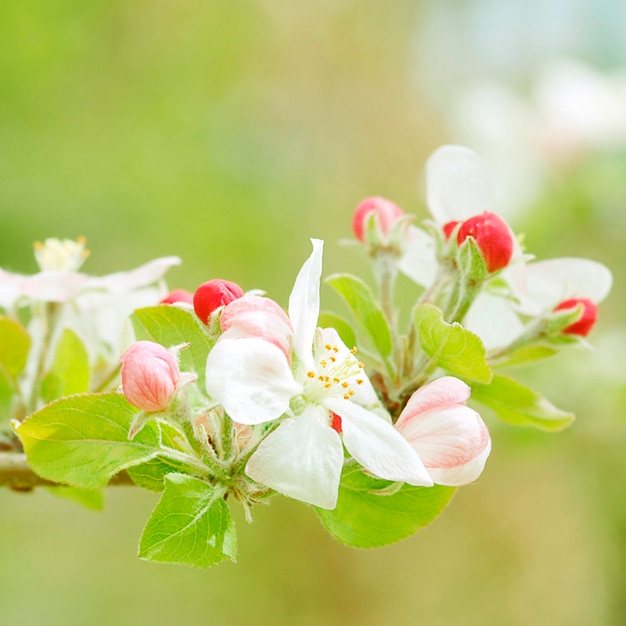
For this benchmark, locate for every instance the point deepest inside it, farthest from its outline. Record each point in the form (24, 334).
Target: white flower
(303, 457)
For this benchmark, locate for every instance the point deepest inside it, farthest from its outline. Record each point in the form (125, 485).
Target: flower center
(60, 255)
(336, 374)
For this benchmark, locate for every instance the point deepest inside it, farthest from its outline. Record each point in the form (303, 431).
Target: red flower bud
(150, 375)
(493, 237)
(388, 213)
(178, 295)
(448, 227)
(588, 319)
(212, 295)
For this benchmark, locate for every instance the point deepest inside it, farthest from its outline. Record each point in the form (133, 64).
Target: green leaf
(92, 499)
(519, 405)
(191, 525)
(360, 299)
(471, 262)
(171, 326)
(330, 320)
(450, 346)
(7, 392)
(70, 371)
(363, 519)
(526, 355)
(83, 440)
(14, 346)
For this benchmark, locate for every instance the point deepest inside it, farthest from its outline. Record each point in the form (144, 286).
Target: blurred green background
(229, 133)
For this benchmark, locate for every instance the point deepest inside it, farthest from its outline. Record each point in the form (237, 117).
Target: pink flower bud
(150, 375)
(590, 314)
(255, 316)
(178, 295)
(448, 227)
(388, 213)
(212, 295)
(450, 438)
(493, 237)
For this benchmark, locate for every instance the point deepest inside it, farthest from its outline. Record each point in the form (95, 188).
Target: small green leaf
(471, 261)
(526, 355)
(363, 519)
(92, 499)
(519, 405)
(330, 320)
(83, 440)
(171, 326)
(191, 525)
(14, 346)
(451, 346)
(70, 371)
(368, 313)
(7, 392)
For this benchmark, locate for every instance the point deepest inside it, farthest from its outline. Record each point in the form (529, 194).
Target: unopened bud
(213, 294)
(448, 228)
(150, 376)
(588, 319)
(493, 237)
(388, 213)
(178, 295)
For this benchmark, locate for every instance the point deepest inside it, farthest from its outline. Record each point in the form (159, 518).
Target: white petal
(552, 281)
(304, 303)
(377, 445)
(141, 276)
(442, 393)
(419, 261)
(493, 319)
(457, 184)
(301, 459)
(53, 286)
(448, 440)
(251, 379)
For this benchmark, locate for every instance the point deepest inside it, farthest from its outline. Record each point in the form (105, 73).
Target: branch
(16, 474)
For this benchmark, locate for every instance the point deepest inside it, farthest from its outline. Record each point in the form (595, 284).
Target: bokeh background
(229, 133)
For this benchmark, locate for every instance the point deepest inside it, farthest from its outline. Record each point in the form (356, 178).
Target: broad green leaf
(366, 310)
(330, 320)
(363, 519)
(14, 346)
(450, 346)
(171, 326)
(92, 499)
(191, 525)
(70, 371)
(519, 405)
(83, 440)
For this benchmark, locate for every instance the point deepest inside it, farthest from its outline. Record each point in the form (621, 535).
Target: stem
(16, 474)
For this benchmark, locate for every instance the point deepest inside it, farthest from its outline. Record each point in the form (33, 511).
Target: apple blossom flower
(450, 438)
(536, 291)
(150, 376)
(387, 213)
(256, 383)
(212, 295)
(458, 191)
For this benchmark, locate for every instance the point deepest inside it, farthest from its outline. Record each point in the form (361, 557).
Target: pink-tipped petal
(442, 393)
